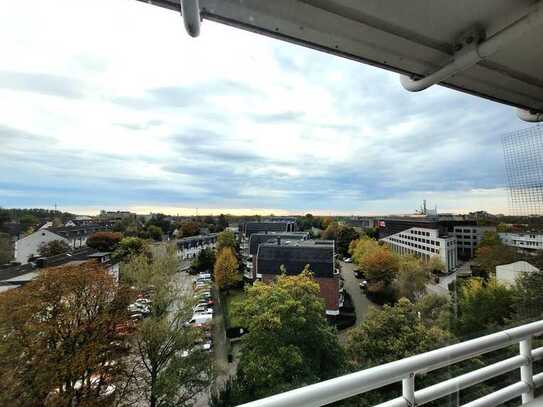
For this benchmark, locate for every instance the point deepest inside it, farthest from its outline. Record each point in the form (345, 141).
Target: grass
(233, 297)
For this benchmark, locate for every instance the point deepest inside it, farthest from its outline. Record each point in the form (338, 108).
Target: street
(351, 284)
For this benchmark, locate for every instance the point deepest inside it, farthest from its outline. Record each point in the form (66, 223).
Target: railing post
(526, 371)
(408, 389)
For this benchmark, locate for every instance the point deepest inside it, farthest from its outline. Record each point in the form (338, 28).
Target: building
(425, 243)
(116, 215)
(468, 238)
(444, 224)
(525, 241)
(74, 236)
(251, 249)
(248, 228)
(362, 222)
(19, 275)
(190, 247)
(508, 273)
(292, 257)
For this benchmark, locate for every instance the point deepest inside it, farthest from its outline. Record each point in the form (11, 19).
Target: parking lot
(351, 284)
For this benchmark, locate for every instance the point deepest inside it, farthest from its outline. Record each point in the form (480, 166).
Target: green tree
(435, 265)
(225, 270)
(289, 342)
(130, 246)
(204, 261)
(169, 370)
(27, 221)
(528, 296)
(412, 278)
(345, 236)
(222, 223)
(481, 307)
(104, 241)
(53, 248)
(226, 239)
(56, 334)
(491, 252)
(379, 265)
(155, 232)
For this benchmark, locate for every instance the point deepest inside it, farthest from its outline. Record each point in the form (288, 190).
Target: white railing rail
(405, 370)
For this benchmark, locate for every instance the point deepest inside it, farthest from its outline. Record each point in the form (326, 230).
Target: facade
(524, 241)
(292, 257)
(508, 273)
(424, 243)
(190, 247)
(28, 246)
(468, 238)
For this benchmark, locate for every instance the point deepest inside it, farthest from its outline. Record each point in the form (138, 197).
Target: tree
(132, 246)
(53, 248)
(528, 296)
(378, 263)
(155, 232)
(331, 231)
(289, 342)
(190, 229)
(345, 236)
(56, 338)
(6, 251)
(28, 220)
(412, 278)
(226, 239)
(204, 261)
(170, 371)
(222, 223)
(435, 265)
(104, 241)
(225, 270)
(482, 307)
(393, 333)
(489, 255)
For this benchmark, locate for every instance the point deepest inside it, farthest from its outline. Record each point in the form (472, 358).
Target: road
(351, 284)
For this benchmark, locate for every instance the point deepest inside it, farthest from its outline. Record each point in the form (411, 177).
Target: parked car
(364, 286)
(348, 260)
(201, 318)
(204, 309)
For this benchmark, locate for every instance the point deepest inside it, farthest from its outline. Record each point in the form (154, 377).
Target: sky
(109, 104)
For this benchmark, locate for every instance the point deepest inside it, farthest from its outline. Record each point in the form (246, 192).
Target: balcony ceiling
(414, 37)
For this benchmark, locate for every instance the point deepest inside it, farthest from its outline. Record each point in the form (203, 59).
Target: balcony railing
(405, 370)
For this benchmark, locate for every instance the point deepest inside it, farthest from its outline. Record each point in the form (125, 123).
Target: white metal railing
(405, 370)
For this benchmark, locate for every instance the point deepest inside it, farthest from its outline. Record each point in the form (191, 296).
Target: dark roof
(319, 254)
(255, 227)
(79, 230)
(257, 238)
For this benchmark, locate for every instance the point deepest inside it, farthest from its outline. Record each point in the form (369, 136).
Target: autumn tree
(341, 234)
(53, 248)
(104, 241)
(412, 278)
(190, 229)
(491, 252)
(225, 270)
(56, 338)
(130, 246)
(435, 265)
(378, 263)
(169, 370)
(289, 342)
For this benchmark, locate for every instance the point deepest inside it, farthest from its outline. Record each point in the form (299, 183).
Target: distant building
(74, 236)
(190, 247)
(468, 238)
(292, 257)
(508, 273)
(116, 215)
(362, 222)
(525, 241)
(248, 228)
(424, 243)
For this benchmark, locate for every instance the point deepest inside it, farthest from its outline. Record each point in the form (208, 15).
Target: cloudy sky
(108, 104)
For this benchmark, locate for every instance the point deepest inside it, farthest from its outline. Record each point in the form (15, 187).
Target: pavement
(351, 284)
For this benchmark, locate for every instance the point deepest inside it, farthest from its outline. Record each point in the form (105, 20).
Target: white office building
(525, 241)
(424, 243)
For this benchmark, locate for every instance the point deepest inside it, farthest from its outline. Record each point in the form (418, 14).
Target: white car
(199, 318)
(348, 260)
(203, 309)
